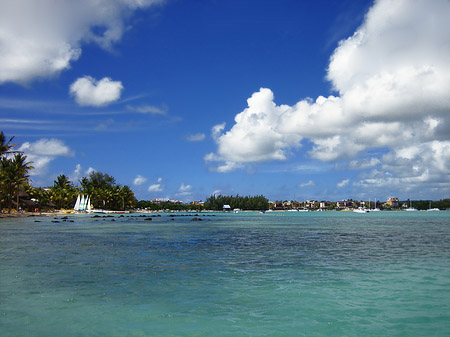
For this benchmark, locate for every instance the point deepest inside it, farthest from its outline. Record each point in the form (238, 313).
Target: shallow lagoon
(247, 274)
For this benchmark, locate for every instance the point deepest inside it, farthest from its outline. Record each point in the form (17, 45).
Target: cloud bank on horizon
(41, 38)
(392, 79)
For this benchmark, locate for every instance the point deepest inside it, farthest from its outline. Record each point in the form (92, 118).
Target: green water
(274, 274)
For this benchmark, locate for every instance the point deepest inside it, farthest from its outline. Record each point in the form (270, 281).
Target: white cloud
(158, 187)
(392, 78)
(343, 183)
(216, 192)
(90, 170)
(217, 130)
(197, 137)
(139, 180)
(364, 164)
(89, 91)
(46, 147)
(43, 152)
(184, 190)
(78, 173)
(39, 39)
(148, 109)
(310, 183)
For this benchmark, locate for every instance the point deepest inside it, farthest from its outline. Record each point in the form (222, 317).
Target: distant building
(344, 204)
(393, 202)
(324, 204)
(226, 207)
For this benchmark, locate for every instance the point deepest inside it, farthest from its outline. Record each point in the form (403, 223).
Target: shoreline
(30, 214)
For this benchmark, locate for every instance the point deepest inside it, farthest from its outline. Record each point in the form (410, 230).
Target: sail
(82, 203)
(88, 206)
(77, 204)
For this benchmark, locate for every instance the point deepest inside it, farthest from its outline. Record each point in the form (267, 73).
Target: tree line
(16, 190)
(245, 203)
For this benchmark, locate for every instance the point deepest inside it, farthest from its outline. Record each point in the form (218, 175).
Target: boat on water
(376, 209)
(360, 210)
(432, 209)
(410, 208)
(83, 204)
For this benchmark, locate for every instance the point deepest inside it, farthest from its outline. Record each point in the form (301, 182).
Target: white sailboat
(410, 208)
(83, 203)
(360, 210)
(376, 209)
(77, 204)
(88, 205)
(432, 209)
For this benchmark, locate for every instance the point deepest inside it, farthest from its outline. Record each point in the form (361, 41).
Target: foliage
(63, 193)
(167, 205)
(14, 169)
(425, 204)
(105, 193)
(245, 203)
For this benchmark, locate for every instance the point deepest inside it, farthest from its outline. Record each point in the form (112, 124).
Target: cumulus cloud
(343, 183)
(43, 152)
(392, 79)
(78, 173)
(39, 39)
(158, 187)
(184, 190)
(89, 91)
(139, 180)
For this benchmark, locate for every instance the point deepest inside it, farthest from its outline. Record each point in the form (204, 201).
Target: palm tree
(5, 147)
(21, 168)
(7, 180)
(63, 191)
(127, 197)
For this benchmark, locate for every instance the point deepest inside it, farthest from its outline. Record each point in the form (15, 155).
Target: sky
(304, 100)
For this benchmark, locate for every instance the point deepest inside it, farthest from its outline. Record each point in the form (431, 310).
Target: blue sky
(322, 100)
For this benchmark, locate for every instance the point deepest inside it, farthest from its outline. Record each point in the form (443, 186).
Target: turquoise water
(289, 274)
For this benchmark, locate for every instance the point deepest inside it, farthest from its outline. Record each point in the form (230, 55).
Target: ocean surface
(246, 274)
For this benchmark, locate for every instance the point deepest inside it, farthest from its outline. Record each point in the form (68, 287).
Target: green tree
(6, 146)
(14, 173)
(63, 192)
(7, 185)
(21, 168)
(105, 193)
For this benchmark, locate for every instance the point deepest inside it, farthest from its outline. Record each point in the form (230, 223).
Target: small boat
(360, 210)
(432, 209)
(410, 208)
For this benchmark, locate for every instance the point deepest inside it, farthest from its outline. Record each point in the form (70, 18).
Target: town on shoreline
(99, 192)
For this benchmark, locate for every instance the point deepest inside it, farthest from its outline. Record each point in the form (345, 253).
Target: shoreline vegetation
(19, 198)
